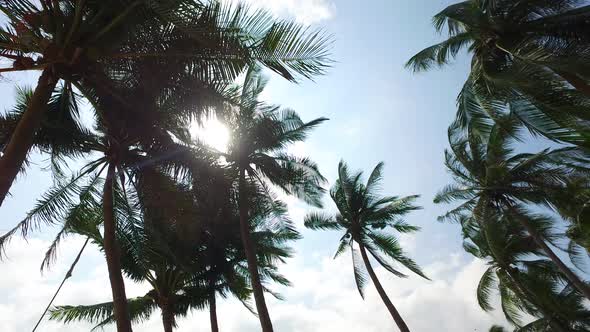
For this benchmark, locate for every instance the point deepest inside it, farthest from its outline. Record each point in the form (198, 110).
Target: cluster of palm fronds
(529, 80)
(166, 209)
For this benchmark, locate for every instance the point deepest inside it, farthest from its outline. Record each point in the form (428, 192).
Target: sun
(212, 132)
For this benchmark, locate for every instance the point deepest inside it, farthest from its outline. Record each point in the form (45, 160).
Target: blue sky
(378, 111)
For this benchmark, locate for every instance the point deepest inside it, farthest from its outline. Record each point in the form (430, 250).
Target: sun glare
(212, 132)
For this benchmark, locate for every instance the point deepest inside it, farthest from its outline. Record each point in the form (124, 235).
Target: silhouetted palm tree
(184, 273)
(527, 281)
(257, 153)
(90, 43)
(526, 58)
(364, 216)
(145, 257)
(490, 177)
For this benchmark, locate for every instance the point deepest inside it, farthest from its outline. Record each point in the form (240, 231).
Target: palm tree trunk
(167, 318)
(250, 251)
(569, 274)
(392, 310)
(213, 307)
(20, 142)
(113, 256)
(575, 81)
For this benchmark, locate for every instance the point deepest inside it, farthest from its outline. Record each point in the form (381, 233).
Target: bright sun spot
(212, 132)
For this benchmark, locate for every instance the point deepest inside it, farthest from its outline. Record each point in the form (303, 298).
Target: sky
(378, 111)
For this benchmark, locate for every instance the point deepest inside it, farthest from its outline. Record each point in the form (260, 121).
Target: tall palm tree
(212, 224)
(144, 258)
(364, 217)
(184, 273)
(257, 153)
(224, 258)
(90, 43)
(118, 118)
(527, 56)
(223, 255)
(490, 177)
(120, 152)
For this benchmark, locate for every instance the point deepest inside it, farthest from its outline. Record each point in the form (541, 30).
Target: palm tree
(304, 55)
(223, 256)
(260, 135)
(527, 56)
(144, 258)
(530, 285)
(184, 273)
(89, 43)
(490, 177)
(225, 261)
(364, 216)
(120, 151)
(55, 37)
(209, 221)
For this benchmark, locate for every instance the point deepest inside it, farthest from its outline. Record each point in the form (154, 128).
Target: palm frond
(360, 272)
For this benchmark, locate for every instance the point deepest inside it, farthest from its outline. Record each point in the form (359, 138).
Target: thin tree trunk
(67, 276)
(167, 318)
(250, 251)
(20, 142)
(213, 307)
(113, 256)
(576, 81)
(392, 310)
(570, 275)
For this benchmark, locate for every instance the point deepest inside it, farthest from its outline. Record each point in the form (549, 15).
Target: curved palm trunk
(213, 307)
(113, 256)
(569, 274)
(167, 318)
(21, 140)
(392, 310)
(250, 251)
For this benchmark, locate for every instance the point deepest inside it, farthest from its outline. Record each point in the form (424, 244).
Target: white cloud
(323, 296)
(304, 11)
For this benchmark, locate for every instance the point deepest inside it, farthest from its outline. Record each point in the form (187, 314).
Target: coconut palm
(186, 273)
(490, 176)
(123, 137)
(499, 30)
(119, 151)
(257, 155)
(144, 258)
(92, 42)
(527, 281)
(225, 259)
(527, 56)
(55, 37)
(366, 218)
(223, 255)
